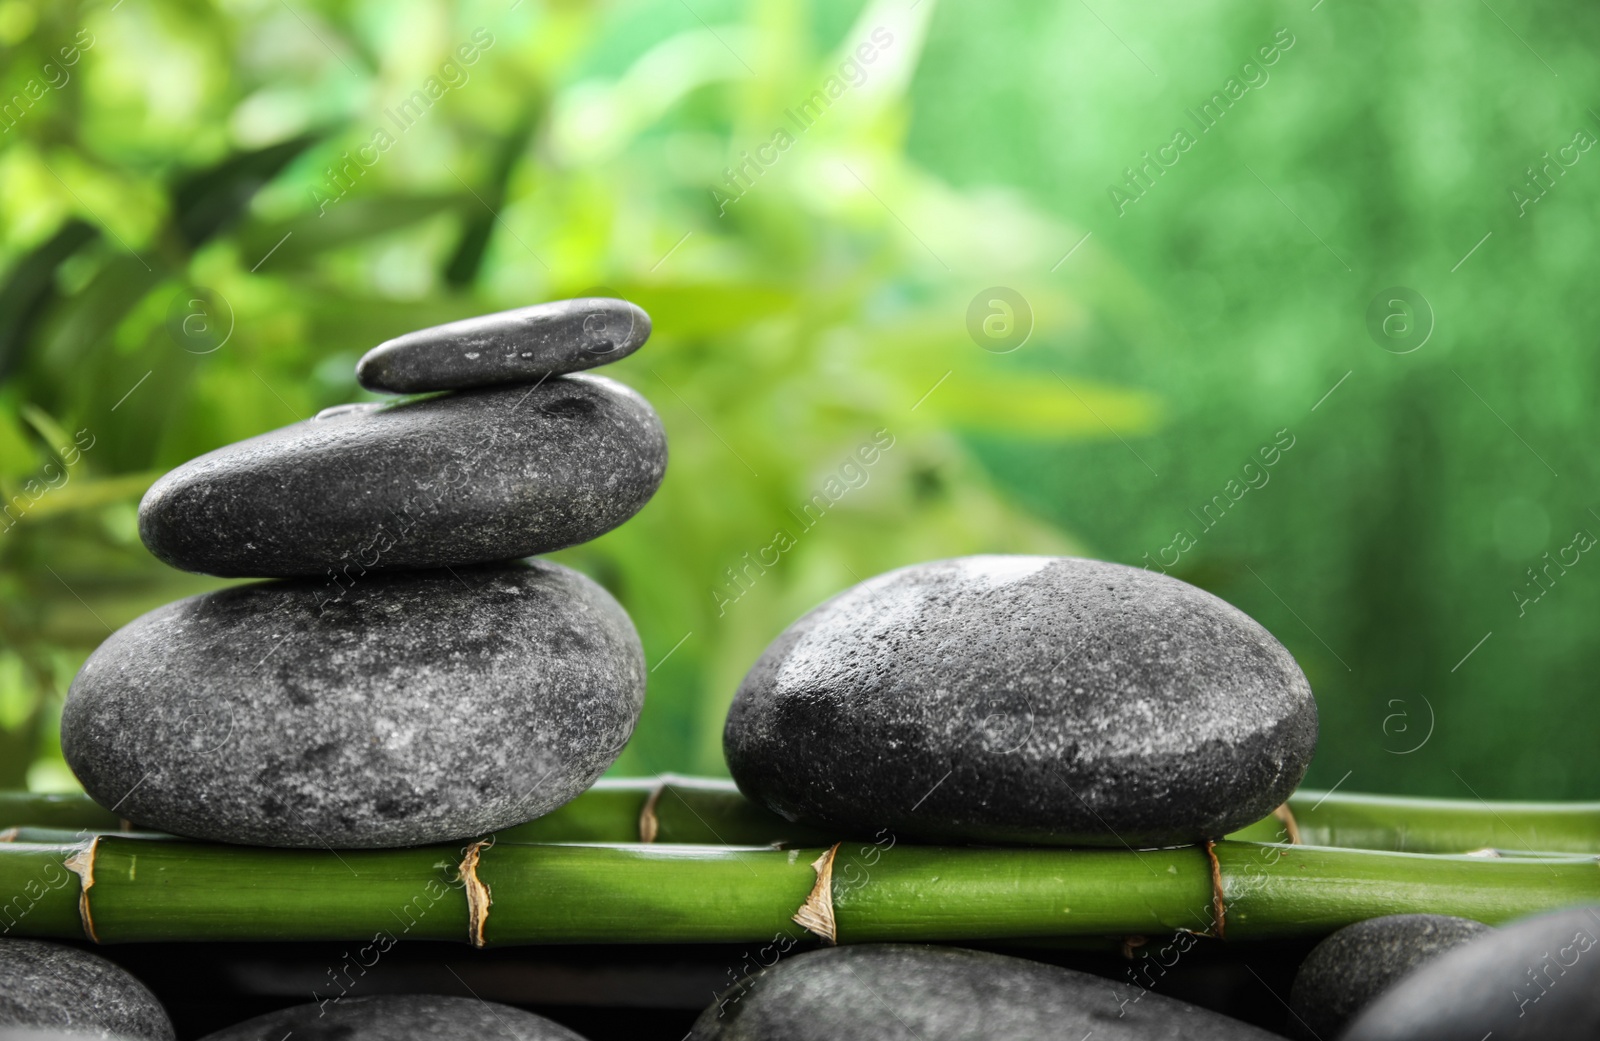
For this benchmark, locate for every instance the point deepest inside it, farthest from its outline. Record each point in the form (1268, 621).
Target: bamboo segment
(637, 893)
(1412, 825)
(704, 811)
(55, 811)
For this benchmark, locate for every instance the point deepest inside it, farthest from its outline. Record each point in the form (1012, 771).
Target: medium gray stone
(404, 1017)
(409, 708)
(456, 479)
(1345, 972)
(1023, 699)
(519, 346)
(948, 994)
(50, 987)
(1537, 979)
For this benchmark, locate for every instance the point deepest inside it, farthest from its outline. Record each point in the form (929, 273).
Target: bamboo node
(1286, 817)
(1219, 904)
(478, 895)
(81, 864)
(649, 824)
(816, 914)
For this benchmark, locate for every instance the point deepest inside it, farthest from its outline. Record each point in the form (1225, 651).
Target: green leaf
(30, 288)
(295, 242)
(208, 202)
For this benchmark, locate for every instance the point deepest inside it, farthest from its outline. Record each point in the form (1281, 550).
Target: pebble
(520, 346)
(1345, 972)
(406, 709)
(1537, 979)
(948, 994)
(1015, 699)
(50, 987)
(401, 1017)
(457, 479)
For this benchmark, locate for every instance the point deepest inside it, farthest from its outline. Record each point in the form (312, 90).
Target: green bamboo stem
(708, 811)
(55, 811)
(1417, 825)
(171, 890)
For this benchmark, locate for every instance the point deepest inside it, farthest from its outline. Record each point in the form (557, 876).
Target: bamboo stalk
(54, 811)
(139, 890)
(708, 811)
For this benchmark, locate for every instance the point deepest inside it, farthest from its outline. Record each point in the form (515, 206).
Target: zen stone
(520, 346)
(404, 709)
(457, 479)
(405, 1017)
(1537, 979)
(49, 987)
(1345, 972)
(1023, 699)
(947, 994)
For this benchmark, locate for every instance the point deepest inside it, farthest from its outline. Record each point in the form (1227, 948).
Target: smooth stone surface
(50, 987)
(518, 346)
(948, 994)
(404, 1017)
(1345, 972)
(1023, 699)
(1537, 979)
(457, 479)
(414, 708)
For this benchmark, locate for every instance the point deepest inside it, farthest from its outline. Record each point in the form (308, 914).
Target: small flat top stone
(519, 346)
(400, 1017)
(51, 987)
(1023, 699)
(1537, 979)
(463, 478)
(1345, 972)
(409, 708)
(916, 993)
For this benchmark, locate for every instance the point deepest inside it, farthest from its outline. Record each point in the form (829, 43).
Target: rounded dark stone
(400, 1017)
(1023, 699)
(1346, 971)
(519, 346)
(947, 994)
(47, 986)
(455, 479)
(1537, 979)
(409, 708)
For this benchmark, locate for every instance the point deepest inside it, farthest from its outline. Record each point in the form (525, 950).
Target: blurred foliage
(187, 266)
(219, 207)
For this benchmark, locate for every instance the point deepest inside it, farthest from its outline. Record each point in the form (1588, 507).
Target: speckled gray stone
(1023, 699)
(47, 986)
(1346, 971)
(406, 709)
(1537, 979)
(884, 991)
(456, 479)
(518, 346)
(403, 1017)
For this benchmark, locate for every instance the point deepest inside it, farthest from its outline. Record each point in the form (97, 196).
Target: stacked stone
(404, 678)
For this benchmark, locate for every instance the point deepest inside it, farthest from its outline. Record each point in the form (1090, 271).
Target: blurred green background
(1376, 256)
